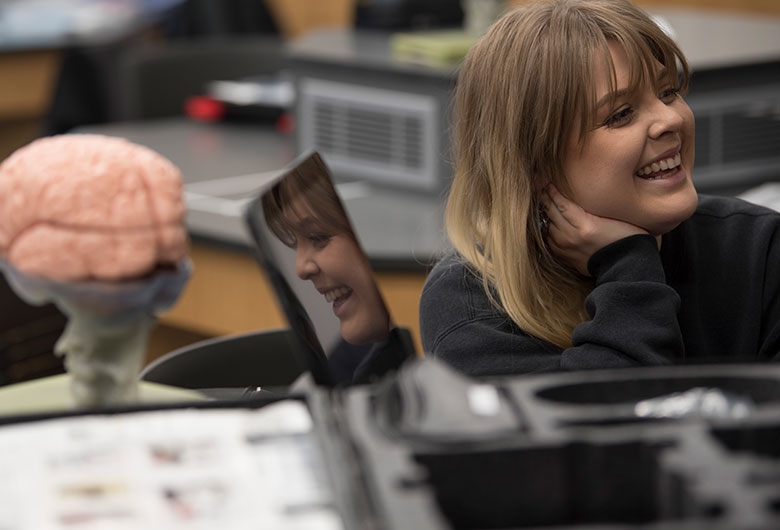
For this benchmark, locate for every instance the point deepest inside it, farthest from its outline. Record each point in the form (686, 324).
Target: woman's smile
(667, 171)
(661, 168)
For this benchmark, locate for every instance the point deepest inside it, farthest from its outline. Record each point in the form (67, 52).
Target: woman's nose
(305, 266)
(666, 118)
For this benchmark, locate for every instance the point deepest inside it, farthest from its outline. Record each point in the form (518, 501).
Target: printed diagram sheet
(174, 469)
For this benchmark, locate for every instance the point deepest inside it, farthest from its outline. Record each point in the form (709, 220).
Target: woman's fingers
(566, 216)
(562, 234)
(565, 209)
(558, 200)
(574, 234)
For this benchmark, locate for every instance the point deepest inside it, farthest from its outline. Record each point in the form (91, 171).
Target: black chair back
(257, 359)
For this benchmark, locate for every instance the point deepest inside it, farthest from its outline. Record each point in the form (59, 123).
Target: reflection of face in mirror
(305, 213)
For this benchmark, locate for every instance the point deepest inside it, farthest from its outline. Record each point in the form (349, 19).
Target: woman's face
(339, 270)
(635, 163)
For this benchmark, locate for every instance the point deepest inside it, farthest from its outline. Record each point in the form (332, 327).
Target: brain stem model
(104, 357)
(95, 224)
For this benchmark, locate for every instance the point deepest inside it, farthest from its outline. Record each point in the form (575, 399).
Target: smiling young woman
(579, 238)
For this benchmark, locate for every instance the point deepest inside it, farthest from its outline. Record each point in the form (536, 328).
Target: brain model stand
(95, 225)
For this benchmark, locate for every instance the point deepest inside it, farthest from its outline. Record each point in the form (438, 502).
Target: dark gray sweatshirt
(711, 293)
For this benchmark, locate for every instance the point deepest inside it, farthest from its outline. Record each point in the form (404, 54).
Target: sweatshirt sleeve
(633, 319)
(633, 312)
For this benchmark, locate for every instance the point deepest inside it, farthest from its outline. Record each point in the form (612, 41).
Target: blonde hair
(523, 87)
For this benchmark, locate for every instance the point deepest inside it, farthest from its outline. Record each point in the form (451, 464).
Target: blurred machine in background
(371, 116)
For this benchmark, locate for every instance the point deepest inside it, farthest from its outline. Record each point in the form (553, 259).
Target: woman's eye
(621, 117)
(668, 95)
(319, 240)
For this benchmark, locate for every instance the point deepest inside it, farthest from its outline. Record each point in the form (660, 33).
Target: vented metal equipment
(737, 136)
(371, 133)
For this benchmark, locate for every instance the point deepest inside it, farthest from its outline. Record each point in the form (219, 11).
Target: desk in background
(401, 231)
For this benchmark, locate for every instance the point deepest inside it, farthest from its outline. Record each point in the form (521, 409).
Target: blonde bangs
(646, 44)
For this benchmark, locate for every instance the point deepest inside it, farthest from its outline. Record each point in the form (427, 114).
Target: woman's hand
(574, 235)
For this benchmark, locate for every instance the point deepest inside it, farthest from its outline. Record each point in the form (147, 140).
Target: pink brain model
(90, 207)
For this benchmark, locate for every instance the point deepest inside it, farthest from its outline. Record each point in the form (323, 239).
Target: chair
(257, 359)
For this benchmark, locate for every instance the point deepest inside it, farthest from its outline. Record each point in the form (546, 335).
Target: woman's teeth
(332, 295)
(661, 165)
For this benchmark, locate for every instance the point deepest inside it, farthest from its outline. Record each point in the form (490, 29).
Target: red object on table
(204, 108)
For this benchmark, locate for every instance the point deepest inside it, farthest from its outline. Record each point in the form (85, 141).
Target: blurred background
(365, 82)
(58, 57)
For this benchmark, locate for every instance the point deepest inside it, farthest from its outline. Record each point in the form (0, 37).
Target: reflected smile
(334, 294)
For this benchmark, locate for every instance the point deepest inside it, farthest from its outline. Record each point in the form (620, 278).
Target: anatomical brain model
(95, 224)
